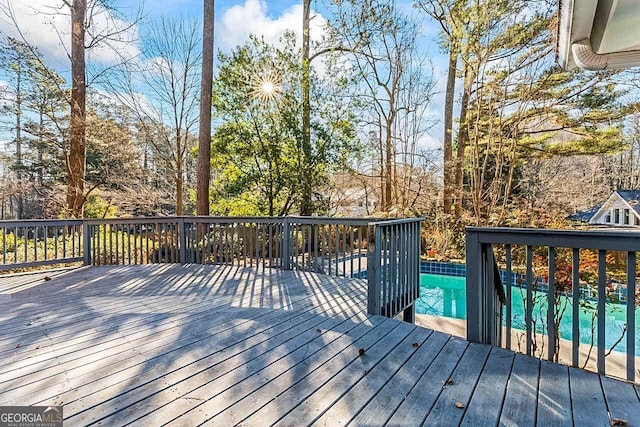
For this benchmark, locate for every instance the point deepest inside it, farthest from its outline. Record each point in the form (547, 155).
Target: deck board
(225, 345)
(587, 400)
(394, 393)
(522, 392)
(421, 398)
(488, 396)
(554, 398)
(622, 401)
(459, 387)
(373, 381)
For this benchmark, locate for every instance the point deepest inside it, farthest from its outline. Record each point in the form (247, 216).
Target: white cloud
(46, 24)
(252, 17)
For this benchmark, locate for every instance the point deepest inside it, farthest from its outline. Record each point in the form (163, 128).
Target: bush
(9, 240)
(97, 207)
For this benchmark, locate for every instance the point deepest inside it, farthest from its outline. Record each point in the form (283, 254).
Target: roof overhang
(599, 34)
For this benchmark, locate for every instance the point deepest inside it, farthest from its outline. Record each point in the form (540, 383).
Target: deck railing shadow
(217, 337)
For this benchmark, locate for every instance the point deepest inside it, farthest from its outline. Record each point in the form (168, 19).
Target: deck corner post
(474, 286)
(182, 229)
(373, 265)
(86, 243)
(286, 244)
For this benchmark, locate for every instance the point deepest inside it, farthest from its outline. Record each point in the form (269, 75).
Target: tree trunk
(77, 143)
(179, 190)
(204, 138)
(19, 141)
(447, 176)
(388, 184)
(306, 206)
(463, 137)
(40, 149)
(179, 172)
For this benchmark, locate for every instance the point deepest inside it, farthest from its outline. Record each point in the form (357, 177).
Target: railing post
(474, 287)
(183, 240)
(373, 266)
(86, 243)
(286, 244)
(413, 274)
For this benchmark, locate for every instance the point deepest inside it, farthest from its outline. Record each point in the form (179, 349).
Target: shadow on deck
(192, 344)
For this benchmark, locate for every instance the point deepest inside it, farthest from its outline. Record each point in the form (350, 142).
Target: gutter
(586, 58)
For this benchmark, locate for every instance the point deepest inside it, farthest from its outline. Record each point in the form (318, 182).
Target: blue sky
(235, 20)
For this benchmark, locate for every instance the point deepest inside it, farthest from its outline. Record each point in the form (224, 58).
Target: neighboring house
(354, 202)
(621, 209)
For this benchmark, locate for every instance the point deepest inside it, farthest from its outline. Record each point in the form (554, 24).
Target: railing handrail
(622, 240)
(255, 219)
(41, 222)
(396, 221)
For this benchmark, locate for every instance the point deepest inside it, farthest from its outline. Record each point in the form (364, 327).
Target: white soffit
(599, 34)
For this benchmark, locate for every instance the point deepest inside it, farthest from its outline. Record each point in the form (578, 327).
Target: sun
(265, 85)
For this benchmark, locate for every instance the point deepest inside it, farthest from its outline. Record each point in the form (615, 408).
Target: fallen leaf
(361, 352)
(459, 405)
(415, 345)
(47, 278)
(618, 422)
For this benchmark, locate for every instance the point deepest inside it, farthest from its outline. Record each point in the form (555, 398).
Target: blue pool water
(446, 296)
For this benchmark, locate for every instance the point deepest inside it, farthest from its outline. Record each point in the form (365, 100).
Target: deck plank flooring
(554, 398)
(522, 390)
(225, 345)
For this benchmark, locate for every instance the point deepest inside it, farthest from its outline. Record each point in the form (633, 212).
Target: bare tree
(393, 80)
(167, 113)
(204, 139)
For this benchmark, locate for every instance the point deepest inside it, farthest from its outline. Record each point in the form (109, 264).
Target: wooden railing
(26, 244)
(390, 249)
(556, 265)
(394, 272)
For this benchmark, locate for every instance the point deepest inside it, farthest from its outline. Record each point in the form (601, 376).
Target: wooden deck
(189, 345)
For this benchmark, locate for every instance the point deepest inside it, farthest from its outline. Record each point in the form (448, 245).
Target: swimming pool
(446, 296)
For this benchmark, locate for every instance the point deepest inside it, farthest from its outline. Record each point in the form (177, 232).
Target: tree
(77, 144)
(168, 75)
(306, 206)
(204, 139)
(82, 15)
(16, 58)
(536, 112)
(34, 98)
(447, 14)
(393, 80)
(259, 158)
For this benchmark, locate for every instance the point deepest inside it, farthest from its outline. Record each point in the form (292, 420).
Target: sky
(235, 20)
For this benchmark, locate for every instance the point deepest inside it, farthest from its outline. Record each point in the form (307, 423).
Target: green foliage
(257, 156)
(97, 207)
(8, 241)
